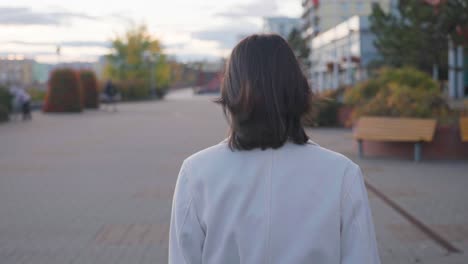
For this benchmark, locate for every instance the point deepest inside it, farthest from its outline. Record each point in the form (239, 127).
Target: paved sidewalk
(432, 191)
(96, 187)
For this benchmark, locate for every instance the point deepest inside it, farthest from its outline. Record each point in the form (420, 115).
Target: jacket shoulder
(209, 154)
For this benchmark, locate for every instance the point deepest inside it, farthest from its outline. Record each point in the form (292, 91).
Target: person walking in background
(268, 194)
(111, 93)
(25, 102)
(21, 103)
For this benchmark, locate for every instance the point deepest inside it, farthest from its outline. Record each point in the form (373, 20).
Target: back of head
(264, 94)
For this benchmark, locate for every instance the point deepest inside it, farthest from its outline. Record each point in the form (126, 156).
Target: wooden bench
(395, 130)
(464, 129)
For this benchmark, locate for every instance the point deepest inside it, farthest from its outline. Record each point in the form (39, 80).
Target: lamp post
(151, 58)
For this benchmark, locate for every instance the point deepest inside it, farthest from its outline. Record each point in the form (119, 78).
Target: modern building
(338, 31)
(240, 37)
(342, 53)
(76, 65)
(280, 25)
(41, 72)
(17, 70)
(319, 16)
(99, 67)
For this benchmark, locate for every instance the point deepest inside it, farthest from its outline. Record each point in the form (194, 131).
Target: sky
(189, 30)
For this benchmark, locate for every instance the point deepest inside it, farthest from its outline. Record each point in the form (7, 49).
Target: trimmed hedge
(64, 92)
(5, 98)
(89, 86)
(5, 104)
(4, 114)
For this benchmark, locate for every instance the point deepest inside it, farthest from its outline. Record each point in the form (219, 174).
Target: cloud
(189, 57)
(178, 45)
(120, 17)
(30, 53)
(259, 8)
(227, 36)
(23, 16)
(51, 56)
(240, 18)
(100, 44)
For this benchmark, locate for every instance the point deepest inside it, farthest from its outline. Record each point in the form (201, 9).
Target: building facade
(340, 40)
(280, 25)
(321, 15)
(16, 70)
(341, 54)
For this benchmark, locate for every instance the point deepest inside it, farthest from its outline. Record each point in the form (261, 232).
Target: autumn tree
(127, 63)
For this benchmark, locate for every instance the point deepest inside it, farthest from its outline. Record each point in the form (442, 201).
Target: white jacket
(297, 204)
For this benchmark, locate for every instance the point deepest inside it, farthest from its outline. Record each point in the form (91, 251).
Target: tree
(127, 63)
(300, 47)
(453, 19)
(417, 34)
(411, 36)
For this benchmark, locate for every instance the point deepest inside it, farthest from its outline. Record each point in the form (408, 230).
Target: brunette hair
(264, 94)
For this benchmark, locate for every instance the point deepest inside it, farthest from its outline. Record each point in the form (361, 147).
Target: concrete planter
(447, 144)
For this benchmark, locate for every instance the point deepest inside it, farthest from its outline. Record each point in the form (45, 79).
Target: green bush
(327, 112)
(5, 99)
(64, 93)
(37, 95)
(336, 94)
(89, 86)
(133, 90)
(324, 108)
(404, 92)
(4, 113)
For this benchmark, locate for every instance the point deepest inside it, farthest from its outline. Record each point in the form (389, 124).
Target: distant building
(29, 73)
(240, 37)
(99, 67)
(321, 15)
(280, 25)
(341, 54)
(208, 76)
(213, 66)
(333, 18)
(41, 72)
(17, 70)
(76, 65)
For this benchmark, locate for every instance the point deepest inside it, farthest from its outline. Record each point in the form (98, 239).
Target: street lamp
(151, 58)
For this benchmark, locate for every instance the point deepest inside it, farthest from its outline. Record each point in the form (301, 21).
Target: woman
(267, 194)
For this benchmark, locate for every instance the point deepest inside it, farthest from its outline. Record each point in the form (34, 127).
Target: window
(360, 7)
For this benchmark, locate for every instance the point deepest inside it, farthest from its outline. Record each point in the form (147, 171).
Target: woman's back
(295, 204)
(268, 194)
